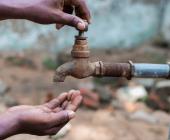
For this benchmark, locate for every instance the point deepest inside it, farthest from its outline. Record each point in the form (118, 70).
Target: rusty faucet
(81, 67)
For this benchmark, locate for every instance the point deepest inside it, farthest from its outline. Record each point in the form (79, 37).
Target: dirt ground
(30, 86)
(104, 125)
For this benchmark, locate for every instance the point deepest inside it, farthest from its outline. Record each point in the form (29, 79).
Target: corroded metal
(80, 48)
(82, 67)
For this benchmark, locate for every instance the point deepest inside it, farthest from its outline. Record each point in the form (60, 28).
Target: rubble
(90, 99)
(21, 61)
(64, 131)
(104, 93)
(9, 101)
(3, 88)
(144, 116)
(159, 98)
(131, 93)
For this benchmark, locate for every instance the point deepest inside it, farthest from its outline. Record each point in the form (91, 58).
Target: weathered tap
(81, 67)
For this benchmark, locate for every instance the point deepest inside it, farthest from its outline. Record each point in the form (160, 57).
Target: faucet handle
(81, 32)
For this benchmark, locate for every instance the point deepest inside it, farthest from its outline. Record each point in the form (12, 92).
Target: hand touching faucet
(59, 12)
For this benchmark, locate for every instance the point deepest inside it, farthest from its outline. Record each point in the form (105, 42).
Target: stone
(64, 131)
(159, 98)
(144, 116)
(90, 99)
(104, 93)
(131, 93)
(3, 88)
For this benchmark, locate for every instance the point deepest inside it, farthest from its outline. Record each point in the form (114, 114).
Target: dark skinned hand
(46, 119)
(57, 12)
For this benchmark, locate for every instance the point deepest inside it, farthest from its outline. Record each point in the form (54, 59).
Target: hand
(46, 119)
(57, 12)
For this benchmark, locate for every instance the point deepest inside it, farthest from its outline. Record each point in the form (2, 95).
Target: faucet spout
(78, 68)
(63, 71)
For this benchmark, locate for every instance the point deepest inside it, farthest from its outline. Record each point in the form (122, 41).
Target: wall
(115, 23)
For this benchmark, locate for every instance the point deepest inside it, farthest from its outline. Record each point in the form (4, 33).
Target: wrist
(9, 125)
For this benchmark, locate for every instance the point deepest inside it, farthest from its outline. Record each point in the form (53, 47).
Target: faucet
(81, 66)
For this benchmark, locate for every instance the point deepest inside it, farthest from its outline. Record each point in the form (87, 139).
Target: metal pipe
(151, 71)
(130, 70)
(83, 68)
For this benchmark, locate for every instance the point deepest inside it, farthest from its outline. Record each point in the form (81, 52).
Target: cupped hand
(46, 119)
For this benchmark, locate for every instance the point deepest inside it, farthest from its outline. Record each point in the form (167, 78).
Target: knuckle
(74, 21)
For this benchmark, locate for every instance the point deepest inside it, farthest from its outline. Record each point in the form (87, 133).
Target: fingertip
(71, 114)
(70, 93)
(78, 92)
(81, 25)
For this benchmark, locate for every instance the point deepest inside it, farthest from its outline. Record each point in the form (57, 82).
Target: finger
(60, 117)
(65, 104)
(82, 15)
(70, 93)
(57, 101)
(82, 10)
(75, 101)
(72, 20)
(57, 109)
(67, 9)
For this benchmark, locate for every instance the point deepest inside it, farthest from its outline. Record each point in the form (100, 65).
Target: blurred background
(113, 108)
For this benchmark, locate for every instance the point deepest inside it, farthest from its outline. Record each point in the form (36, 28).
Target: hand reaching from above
(57, 12)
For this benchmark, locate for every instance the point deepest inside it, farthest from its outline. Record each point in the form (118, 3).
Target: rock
(116, 104)
(131, 93)
(86, 85)
(163, 84)
(90, 99)
(3, 108)
(144, 116)
(21, 61)
(159, 98)
(130, 107)
(3, 88)
(104, 93)
(147, 83)
(10, 101)
(163, 117)
(64, 131)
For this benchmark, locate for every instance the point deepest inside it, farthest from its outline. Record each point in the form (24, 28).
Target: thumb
(73, 21)
(61, 117)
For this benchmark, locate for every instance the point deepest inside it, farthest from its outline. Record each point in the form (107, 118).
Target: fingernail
(71, 114)
(81, 26)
